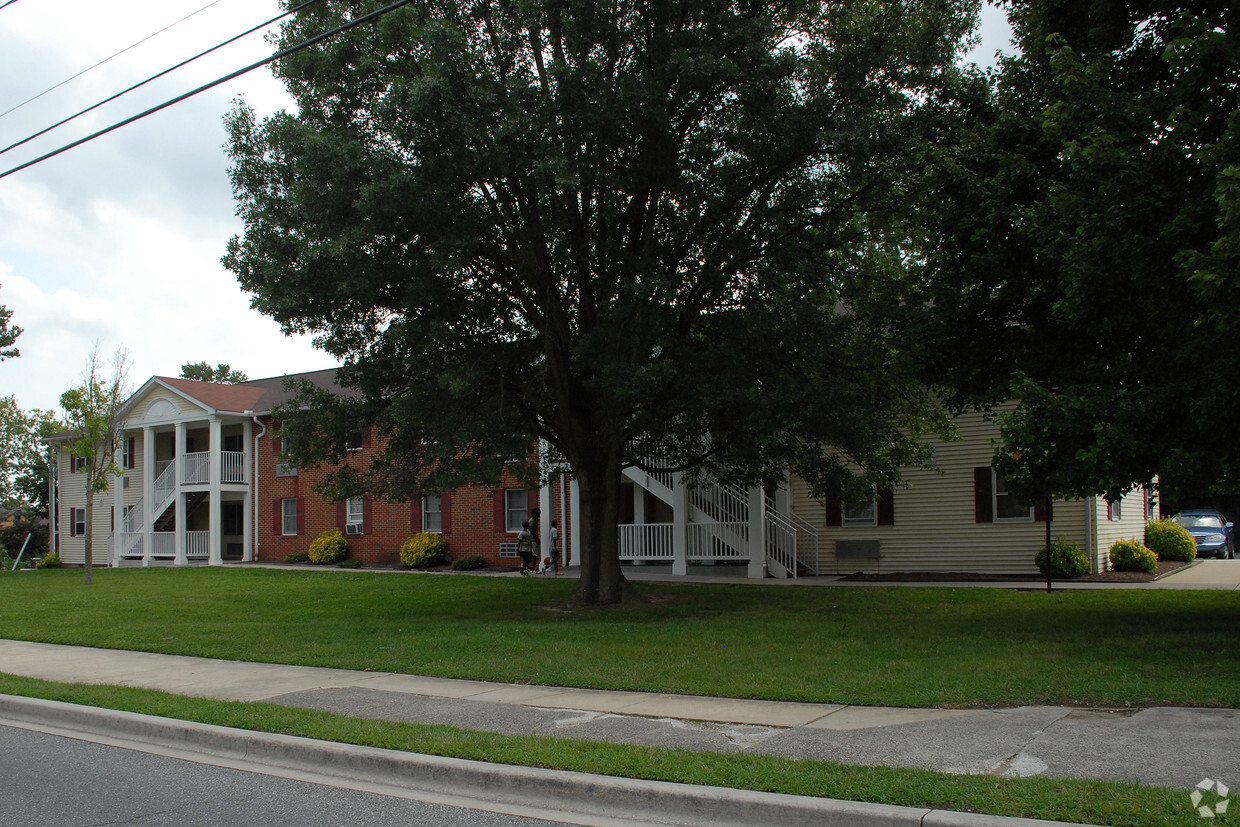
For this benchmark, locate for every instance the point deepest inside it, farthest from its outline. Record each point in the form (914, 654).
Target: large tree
(650, 233)
(203, 372)
(91, 413)
(8, 335)
(1085, 253)
(23, 462)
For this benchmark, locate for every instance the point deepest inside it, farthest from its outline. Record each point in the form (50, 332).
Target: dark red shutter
(131, 460)
(366, 523)
(983, 496)
(532, 498)
(365, 437)
(341, 514)
(301, 516)
(835, 517)
(886, 507)
(499, 511)
(277, 516)
(415, 516)
(445, 512)
(1039, 513)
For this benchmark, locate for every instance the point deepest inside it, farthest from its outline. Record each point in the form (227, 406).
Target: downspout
(1091, 539)
(254, 515)
(53, 514)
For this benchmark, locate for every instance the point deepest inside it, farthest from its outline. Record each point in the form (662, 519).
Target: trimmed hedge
(421, 551)
(1130, 555)
(469, 563)
(1170, 540)
(329, 547)
(1067, 560)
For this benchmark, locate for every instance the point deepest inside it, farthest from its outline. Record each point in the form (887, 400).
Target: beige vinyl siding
(935, 527)
(138, 409)
(1131, 524)
(72, 493)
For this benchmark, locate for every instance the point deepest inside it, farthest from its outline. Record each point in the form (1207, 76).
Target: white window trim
(994, 502)
(438, 511)
(520, 514)
(856, 522)
(284, 516)
(73, 522)
(353, 509)
(1115, 511)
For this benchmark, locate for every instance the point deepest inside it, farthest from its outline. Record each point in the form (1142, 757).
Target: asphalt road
(55, 781)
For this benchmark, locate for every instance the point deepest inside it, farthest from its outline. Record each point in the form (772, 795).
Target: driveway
(1204, 574)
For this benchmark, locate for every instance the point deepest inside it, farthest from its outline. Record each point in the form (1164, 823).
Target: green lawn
(889, 646)
(872, 646)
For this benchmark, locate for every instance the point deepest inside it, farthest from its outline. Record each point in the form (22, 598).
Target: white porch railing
(130, 522)
(197, 545)
(165, 483)
(651, 541)
(165, 544)
(196, 467)
(718, 541)
(130, 546)
(232, 466)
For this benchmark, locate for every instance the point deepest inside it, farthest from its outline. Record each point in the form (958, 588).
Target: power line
(277, 56)
(95, 106)
(6, 5)
(106, 59)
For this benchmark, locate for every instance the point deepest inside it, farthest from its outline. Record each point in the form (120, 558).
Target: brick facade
(473, 518)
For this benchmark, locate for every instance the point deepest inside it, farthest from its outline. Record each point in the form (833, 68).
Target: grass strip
(1070, 800)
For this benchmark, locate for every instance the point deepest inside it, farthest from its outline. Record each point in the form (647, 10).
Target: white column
(148, 494)
(182, 527)
(680, 526)
(118, 516)
(215, 539)
(575, 546)
(547, 509)
(757, 533)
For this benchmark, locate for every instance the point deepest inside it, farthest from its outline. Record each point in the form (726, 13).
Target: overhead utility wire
(277, 56)
(6, 5)
(106, 59)
(153, 77)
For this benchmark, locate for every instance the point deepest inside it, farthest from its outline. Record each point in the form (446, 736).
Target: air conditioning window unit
(353, 528)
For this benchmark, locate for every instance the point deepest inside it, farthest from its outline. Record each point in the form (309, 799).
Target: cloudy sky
(118, 241)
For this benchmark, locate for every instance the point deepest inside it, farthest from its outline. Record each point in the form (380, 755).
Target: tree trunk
(90, 525)
(602, 581)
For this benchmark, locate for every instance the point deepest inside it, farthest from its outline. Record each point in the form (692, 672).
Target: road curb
(588, 799)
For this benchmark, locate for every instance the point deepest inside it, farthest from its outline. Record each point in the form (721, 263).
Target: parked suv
(1212, 532)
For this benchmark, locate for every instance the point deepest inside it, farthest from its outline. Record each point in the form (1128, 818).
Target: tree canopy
(8, 335)
(1084, 253)
(655, 234)
(23, 463)
(203, 372)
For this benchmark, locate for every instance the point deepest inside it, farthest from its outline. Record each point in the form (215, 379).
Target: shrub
(1170, 540)
(297, 557)
(1130, 555)
(469, 563)
(329, 547)
(1067, 560)
(351, 563)
(421, 551)
(51, 560)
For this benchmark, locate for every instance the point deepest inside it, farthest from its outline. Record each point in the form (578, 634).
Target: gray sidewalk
(1170, 747)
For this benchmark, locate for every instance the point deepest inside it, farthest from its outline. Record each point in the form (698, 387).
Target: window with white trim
(284, 467)
(1113, 510)
(432, 513)
(288, 516)
(861, 513)
(353, 511)
(77, 518)
(516, 508)
(1009, 508)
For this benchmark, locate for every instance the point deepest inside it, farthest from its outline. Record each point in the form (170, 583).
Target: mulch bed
(1164, 568)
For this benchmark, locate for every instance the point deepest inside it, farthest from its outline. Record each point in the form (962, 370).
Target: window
(128, 458)
(1113, 510)
(356, 441)
(76, 464)
(77, 517)
(862, 513)
(516, 508)
(1008, 507)
(284, 469)
(432, 513)
(1150, 496)
(288, 512)
(353, 511)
